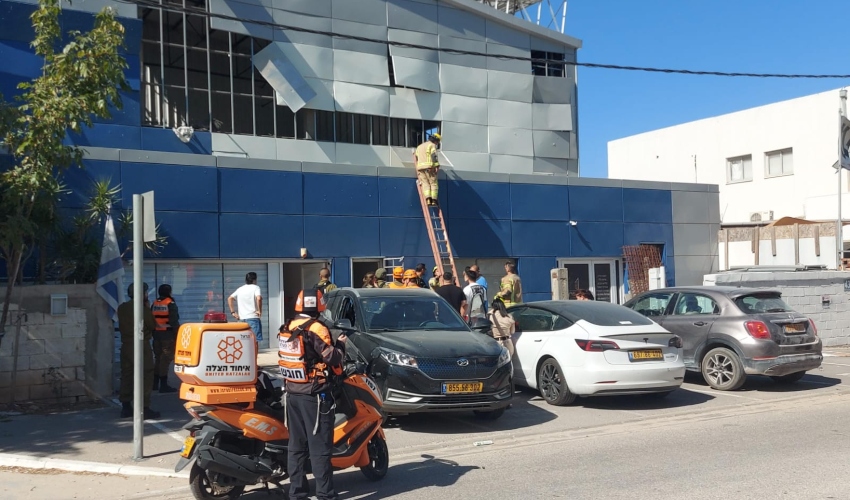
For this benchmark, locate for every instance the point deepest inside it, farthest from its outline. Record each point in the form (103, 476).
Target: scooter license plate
(188, 445)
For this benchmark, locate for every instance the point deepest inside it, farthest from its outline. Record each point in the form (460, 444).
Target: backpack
(476, 306)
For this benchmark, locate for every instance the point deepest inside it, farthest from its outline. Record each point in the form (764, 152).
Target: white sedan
(566, 349)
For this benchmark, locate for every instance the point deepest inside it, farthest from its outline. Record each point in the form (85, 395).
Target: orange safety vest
(293, 362)
(160, 314)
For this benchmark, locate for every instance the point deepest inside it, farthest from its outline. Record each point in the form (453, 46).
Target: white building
(770, 162)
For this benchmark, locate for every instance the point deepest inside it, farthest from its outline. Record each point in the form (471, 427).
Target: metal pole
(138, 326)
(839, 224)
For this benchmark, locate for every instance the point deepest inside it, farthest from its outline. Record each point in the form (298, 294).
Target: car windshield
(388, 314)
(762, 303)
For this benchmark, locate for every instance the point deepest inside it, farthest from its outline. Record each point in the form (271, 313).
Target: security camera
(184, 133)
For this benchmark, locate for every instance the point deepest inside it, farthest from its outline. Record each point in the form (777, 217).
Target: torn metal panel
(324, 99)
(460, 23)
(416, 73)
(548, 45)
(363, 99)
(283, 77)
(508, 114)
(447, 42)
(311, 61)
(509, 86)
(357, 67)
(511, 141)
(464, 137)
(401, 157)
(302, 21)
(371, 31)
(416, 104)
(460, 80)
(552, 90)
(511, 164)
(306, 151)
(464, 109)
(242, 11)
(509, 65)
(556, 166)
(413, 16)
(361, 11)
(469, 162)
(552, 117)
(297, 37)
(412, 37)
(318, 8)
(363, 154)
(551, 144)
(501, 34)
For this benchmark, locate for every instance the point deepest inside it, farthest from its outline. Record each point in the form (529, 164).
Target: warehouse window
(548, 63)
(739, 169)
(779, 163)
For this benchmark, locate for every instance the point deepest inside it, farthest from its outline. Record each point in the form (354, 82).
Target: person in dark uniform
(125, 326)
(308, 357)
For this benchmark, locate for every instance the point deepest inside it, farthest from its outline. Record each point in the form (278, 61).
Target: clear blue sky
(761, 36)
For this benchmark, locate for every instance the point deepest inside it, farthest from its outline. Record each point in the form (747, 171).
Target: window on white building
(778, 163)
(739, 169)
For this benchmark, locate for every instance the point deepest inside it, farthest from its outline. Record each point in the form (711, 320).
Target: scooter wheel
(204, 489)
(379, 459)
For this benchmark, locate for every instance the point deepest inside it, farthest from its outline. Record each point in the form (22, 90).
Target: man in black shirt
(452, 293)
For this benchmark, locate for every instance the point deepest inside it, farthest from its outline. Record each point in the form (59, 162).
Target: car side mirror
(480, 324)
(344, 325)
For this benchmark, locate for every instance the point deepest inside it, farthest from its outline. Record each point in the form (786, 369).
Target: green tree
(77, 83)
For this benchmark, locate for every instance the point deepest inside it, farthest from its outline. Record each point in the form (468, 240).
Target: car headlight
(504, 358)
(397, 358)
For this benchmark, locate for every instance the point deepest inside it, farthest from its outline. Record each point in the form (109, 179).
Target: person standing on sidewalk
(324, 285)
(511, 286)
(126, 323)
(481, 281)
(167, 318)
(452, 293)
(380, 278)
(246, 304)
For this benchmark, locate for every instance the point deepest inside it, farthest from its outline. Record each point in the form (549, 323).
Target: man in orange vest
(308, 356)
(427, 165)
(167, 318)
(398, 276)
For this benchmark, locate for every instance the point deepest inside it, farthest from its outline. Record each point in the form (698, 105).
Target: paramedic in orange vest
(308, 358)
(427, 166)
(167, 318)
(398, 276)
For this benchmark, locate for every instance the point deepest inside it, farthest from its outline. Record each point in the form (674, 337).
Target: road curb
(31, 462)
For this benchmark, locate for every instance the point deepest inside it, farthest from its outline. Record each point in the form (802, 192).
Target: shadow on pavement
(677, 399)
(763, 383)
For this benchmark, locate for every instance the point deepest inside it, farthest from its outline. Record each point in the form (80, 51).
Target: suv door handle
(538, 340)
(700, 323)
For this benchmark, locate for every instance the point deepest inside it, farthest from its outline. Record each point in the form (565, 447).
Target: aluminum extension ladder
(439, 236)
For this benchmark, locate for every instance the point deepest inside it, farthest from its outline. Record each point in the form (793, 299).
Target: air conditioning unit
(560, 287)
(761, 216)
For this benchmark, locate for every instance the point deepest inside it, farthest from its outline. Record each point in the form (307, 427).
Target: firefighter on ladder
(427, 165)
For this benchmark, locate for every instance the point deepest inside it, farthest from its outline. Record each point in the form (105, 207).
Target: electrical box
(657, 278)
(560, 285)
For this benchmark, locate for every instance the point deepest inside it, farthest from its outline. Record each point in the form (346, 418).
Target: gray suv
(729, 333)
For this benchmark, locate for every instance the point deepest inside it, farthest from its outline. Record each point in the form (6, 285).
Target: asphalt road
(762, 442)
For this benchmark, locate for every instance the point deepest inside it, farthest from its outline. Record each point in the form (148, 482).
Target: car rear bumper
(783, 365)
(613, 380)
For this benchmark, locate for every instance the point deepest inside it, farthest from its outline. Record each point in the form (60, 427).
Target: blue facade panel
(478, 200)
(341, 236)
(329, 194)
(164, 139)
(638, 233)
(191, 235)
(597, 239)
(17, 25)
(175, 187)
(647, 205)
(107, 135)
(539, 202)
(480, 238)
(596, 204)
(261, 236)
(402, 236)
(80, 182)
(341, 273)
(18, 59)
(534, 272)
(398, 197)
(532, 238)
(260, 191)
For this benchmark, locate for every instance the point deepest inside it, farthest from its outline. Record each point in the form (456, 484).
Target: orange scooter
(238, 444)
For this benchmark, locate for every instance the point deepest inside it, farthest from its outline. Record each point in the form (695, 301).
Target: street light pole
(839, 229)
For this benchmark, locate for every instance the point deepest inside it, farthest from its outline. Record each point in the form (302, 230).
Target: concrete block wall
(805, 292)
(59, 359)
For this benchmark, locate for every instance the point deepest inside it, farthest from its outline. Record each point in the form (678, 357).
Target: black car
(422, 354)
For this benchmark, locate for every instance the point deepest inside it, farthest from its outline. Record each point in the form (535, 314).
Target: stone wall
(64, 358)
(806, 292)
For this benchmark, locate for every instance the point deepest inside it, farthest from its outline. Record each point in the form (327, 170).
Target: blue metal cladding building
(269, 171)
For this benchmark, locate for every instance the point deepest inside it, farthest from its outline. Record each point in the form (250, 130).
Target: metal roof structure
(550, 14)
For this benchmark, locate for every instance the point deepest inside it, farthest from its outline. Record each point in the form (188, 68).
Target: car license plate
(645, 355)
(188, 444)
(462, 387)
(795, 328)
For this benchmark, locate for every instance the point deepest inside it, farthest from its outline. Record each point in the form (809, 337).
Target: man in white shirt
(249, 304)
(481, 281)
(475, 296)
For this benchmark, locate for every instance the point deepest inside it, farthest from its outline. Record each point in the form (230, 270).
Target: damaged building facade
(276, 147)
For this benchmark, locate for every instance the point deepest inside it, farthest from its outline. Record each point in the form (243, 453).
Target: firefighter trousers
(428, 178)
(304, 414)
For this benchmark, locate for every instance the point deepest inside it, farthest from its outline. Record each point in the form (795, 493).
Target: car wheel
(489, 415)
(790, 378)
(552, 386)
(722, 369)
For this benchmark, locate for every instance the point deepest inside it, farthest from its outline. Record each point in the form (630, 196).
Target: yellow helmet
(409, 274)
(437, 136)
(398, 272)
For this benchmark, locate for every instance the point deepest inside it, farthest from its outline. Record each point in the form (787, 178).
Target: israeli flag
(110, 276)
(845, 143)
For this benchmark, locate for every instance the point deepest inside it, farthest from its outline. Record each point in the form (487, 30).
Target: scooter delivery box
(217, 363)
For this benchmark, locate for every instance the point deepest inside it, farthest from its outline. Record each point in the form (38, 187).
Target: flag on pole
(844, 143)
(110, 276)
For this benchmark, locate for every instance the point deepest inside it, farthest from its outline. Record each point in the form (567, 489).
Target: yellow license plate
(188, 444)
(462, 387)
(646, 354)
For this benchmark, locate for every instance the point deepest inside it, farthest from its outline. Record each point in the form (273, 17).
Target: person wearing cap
(410, 279)
(434, 282)
(380, 278)
(126, 323)
(427, 165)
(309, 359)
(398, 276)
